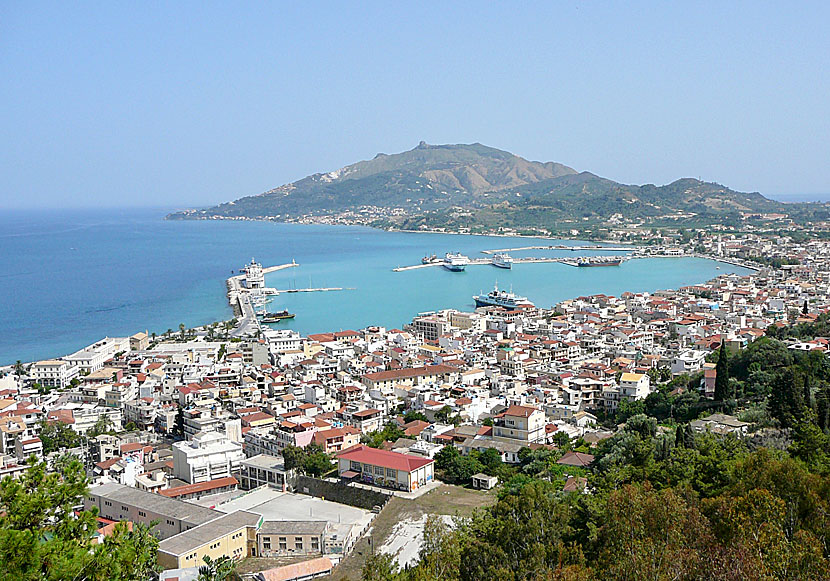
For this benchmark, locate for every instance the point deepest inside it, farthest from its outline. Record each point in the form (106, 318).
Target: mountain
(428, 175)
(478, 188)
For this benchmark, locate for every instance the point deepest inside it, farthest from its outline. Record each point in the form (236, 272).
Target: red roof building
(390, 469)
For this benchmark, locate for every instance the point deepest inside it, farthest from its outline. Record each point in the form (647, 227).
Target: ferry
(276, 317)
(599, 261)
(502, 260)
(501, 298)
(455, 262)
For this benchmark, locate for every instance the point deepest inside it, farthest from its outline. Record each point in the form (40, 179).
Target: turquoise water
(70, 278)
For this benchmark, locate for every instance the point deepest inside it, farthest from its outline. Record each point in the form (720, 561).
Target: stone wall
(340, 492)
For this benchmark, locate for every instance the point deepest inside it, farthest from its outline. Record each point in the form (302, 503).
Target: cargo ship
(599, 261)
(455, 262)
(501, 298)
(502, 260)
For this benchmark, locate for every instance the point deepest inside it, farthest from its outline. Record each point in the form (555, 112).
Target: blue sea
(69, 278)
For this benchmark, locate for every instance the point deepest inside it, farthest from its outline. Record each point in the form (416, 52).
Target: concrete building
(519, 423)
(291, 538)
(401, 471)
(53, 373)
(208, 456)
(261, 470)
(118, 502)
(231, 535)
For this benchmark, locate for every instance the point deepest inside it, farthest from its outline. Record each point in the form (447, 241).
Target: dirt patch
(446, 499)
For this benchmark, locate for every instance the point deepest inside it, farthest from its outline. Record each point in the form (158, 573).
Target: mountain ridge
(432, 185)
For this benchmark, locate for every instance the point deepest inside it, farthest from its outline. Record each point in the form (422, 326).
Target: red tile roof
(395, 460)
(199, 487)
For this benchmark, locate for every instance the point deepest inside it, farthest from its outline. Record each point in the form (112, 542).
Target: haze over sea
(69, 278)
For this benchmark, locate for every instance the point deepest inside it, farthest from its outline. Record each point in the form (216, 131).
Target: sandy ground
(406, 539)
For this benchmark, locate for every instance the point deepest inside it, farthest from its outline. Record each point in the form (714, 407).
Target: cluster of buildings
(196, 429)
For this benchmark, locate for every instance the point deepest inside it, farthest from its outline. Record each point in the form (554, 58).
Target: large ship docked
(254, 276)
(502, 260)
(274, 317)
(501, 298)
(599, 261)
(455, 262)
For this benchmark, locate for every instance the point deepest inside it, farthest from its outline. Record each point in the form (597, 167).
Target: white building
(690, 361)
(634, 386)
(208, 456)
(53, 373)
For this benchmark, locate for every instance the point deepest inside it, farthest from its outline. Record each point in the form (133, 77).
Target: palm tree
(181, 330)
(222, 569)
(18, 368)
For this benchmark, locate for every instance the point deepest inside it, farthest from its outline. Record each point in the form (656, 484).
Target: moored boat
(455, 262)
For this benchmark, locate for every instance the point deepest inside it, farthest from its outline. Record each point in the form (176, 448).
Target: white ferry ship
(501, 298)
(254, 277)
(455, 262)
(502, 260)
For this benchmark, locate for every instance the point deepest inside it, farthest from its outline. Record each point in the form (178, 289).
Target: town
(282, 451)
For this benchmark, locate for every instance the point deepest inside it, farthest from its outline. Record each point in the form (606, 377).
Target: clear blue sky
(182, 104)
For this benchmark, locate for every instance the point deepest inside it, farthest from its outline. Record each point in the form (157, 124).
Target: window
(171, 523)
(379, 470)
(124, 508)
(390, 472)
(315, 544)
(298, 543)
(142, 513)
(283, 544)
(356, 466)
(107, 503)
(266, 542)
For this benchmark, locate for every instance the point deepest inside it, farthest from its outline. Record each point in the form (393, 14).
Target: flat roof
(293, 527)
(156, 503)
(208, 532)
(265, 461)
(274, 505)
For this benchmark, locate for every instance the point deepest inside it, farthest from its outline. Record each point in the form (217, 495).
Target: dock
(485, 262)
(563, 247)
(239, 298)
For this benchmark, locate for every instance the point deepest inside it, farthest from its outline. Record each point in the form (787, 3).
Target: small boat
(429, 259)
(599, 261)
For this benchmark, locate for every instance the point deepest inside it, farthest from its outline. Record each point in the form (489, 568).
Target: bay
(69, 278)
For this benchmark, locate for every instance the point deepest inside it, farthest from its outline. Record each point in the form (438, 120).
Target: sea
(71, 277)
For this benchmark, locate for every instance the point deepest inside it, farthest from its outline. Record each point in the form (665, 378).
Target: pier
(563, 247)
(239, 298)
(487, 262)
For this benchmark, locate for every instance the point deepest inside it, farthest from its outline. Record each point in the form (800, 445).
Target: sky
(181, 104)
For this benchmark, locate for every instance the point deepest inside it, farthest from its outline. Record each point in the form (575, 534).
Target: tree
(317, 464)
(293, 457)
(221, 569)
(103, 425)
(43, 537)
(412, 416)
(56, 436)
(786, 401)
(131, 427)
(722, 391)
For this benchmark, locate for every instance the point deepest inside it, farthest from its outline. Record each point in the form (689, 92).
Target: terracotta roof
(199, 487)
(367, 455)
(303, 570)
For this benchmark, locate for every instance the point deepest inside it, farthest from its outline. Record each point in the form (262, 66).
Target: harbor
(489, 262)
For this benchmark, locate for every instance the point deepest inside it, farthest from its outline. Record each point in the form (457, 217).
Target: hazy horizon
(188, 105)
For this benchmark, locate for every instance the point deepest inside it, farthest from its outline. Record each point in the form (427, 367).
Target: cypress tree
(722, 371)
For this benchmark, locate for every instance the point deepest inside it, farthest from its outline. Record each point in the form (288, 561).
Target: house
(484, 482)
(402, 471)
(720, 424)
(337, 439)
(576, 459)
(525, 424)
(210, 455)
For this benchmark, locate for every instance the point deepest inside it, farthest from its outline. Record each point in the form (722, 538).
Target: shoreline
(736, 263)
